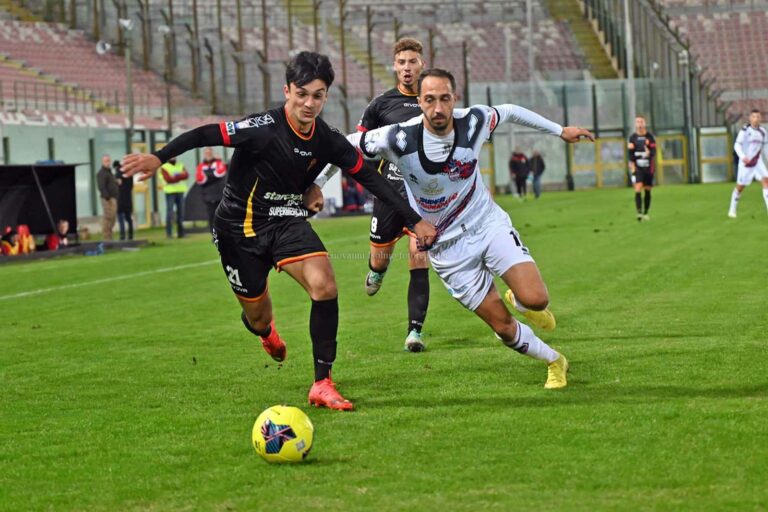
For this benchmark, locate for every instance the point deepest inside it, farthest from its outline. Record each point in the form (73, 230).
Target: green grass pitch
(129, 386)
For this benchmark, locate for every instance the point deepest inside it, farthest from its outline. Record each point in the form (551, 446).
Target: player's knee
(536, 300)
(323, 290)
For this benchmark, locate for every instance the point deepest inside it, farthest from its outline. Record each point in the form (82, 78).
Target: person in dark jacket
(518, 170)
(124, 202)
(536, 167)
(108, 189)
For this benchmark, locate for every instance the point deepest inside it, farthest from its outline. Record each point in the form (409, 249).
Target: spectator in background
(58, 240)
(536, 167)
(124, 201)
(108, 190)
(352, 195)
(518, 171)
(210, 176)
(174, 185)
(26, 240)
(9, 244)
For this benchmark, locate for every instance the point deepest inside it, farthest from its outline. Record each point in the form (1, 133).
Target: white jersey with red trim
(752, 144)
(442, 174)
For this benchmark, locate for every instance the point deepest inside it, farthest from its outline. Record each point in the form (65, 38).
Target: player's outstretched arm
(378, 186)
(146, 165)
(575, 134)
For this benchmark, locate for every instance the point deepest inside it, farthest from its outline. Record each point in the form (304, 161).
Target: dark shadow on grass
(579, 394)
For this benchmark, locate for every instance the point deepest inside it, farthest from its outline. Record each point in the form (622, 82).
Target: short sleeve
(252, 132)
(370, 118)
(376, 143)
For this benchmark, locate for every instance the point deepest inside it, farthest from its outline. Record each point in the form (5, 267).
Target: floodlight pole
(129, 92)
(630, 71)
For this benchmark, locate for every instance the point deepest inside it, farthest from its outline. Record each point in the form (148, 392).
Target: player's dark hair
(755, 111)
(440, 73)
(408, 43)
(307, 66)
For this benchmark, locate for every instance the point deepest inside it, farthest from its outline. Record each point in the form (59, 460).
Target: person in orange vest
(9, 245)
(174, 185)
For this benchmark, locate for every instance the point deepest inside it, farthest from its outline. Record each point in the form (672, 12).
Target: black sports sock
(418, 299)
(370, 266)
(639, 202)
(647, 200)
(323, 325)
(266, 332)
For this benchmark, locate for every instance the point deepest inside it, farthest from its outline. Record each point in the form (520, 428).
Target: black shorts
(387, 226)
(644, 175)
(247, 261)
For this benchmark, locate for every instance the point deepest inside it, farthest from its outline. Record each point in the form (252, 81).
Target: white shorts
(747, 175)
(467, 264)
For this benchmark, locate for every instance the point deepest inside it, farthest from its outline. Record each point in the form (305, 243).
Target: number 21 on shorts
(234, 276)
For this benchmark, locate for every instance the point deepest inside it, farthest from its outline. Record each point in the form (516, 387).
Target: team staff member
(261, 220)
(642, 157)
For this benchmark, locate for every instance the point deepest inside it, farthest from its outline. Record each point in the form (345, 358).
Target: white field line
(40, 291)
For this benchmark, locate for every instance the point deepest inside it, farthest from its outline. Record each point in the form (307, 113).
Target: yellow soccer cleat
(556, 373)
(543, 319)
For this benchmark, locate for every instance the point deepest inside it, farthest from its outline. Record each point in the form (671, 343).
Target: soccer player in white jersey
(750, 145)
(438, 156)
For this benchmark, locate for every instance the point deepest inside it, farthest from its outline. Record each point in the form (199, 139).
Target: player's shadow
(580, 394)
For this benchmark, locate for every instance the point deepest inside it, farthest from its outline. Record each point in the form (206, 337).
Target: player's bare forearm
(573, 134)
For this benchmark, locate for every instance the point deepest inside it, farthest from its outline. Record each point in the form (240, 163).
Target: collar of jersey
(297, 132)
(405, 93)
(427, 164)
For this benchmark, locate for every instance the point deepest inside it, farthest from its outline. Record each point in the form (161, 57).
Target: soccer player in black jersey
(261, 220)
(642, 162)
(398, 105)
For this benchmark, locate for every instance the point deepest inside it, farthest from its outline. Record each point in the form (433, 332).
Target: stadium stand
(68, 58)
(728, 39)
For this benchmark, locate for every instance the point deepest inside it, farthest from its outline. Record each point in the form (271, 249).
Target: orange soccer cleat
(323, 394)
(274, 344)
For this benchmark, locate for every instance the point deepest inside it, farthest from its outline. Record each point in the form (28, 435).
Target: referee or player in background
(398, 105)
(261, 221)
(642, 162)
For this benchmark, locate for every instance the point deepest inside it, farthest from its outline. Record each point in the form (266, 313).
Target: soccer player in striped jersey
(438, 154)
(261, 221)
(752, 147)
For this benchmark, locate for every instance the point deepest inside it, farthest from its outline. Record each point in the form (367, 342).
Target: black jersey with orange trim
(638, 146)
(390, 107)
(273, 164)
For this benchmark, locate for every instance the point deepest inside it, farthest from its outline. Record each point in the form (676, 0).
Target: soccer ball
(283, 434)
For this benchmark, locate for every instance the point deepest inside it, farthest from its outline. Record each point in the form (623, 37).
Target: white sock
(519, 306)
(735, 200)
(765, 196)
(529, 344)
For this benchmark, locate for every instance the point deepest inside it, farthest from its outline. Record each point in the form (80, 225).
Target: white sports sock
(529, 344)
(765, 196)
(735, 195)
(519, 306)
